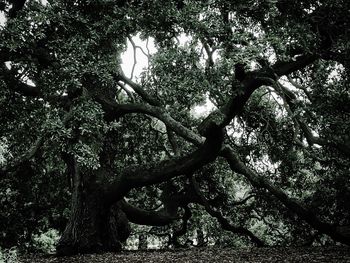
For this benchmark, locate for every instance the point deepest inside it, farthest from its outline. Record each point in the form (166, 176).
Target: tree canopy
(87, 149)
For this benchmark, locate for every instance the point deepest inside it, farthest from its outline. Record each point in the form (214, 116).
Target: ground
(309, 255)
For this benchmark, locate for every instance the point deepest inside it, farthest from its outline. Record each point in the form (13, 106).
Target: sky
(2, 19)
(141, 58)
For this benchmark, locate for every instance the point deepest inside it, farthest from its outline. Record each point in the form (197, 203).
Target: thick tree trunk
(93, 226)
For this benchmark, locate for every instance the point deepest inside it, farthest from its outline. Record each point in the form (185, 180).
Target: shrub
(9, 255)
(46, 241)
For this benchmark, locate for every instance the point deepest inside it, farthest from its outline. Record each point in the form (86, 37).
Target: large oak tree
(276, 73)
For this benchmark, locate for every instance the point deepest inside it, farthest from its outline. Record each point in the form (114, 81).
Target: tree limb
(225, 224)
(114, 111)
(343, 146)
(153, 173)
(258, 181)
(15, 84)
(286, 67)
(146, 217)
(164, 216)
(138, 89)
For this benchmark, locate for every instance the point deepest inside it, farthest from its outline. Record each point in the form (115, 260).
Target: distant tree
(130, 150)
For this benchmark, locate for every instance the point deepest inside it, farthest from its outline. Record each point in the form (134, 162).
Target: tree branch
(146, 217)
(114, 111)
(15, 84)
(238, 166)
(153, 173)
(252, 81)
(161, 217)
(225, 224)
(286, 67)
(138, 89)
(290, 99)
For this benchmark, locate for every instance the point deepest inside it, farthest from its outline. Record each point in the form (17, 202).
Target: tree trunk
(93, 226)
(142, 242)
(200, 238)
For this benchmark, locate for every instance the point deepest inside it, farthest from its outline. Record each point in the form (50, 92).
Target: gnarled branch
(258, 181)
(225, 224)
(153, 173)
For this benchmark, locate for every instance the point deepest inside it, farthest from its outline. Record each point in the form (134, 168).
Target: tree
(278, 79)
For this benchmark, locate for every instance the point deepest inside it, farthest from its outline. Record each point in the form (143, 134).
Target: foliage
(47, 241)
(9, 255)
(81, 141)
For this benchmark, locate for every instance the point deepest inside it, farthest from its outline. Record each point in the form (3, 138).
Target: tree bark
(142, 242)
(93, 226)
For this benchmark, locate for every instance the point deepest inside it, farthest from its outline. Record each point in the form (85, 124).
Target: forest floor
(307, 255)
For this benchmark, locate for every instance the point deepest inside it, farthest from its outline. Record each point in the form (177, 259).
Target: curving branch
(164, 216)
(290, 99)
(154, 173)
(169, 213)
(258, 181)
(147, 217)
(225, 224)
(148, 54)
(287, 67)
(138, 89)
(134, 57)
(252, 81)
(16, 85)
(219, 118)
(114, 111)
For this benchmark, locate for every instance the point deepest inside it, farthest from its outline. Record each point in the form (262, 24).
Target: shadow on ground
(307, 255)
